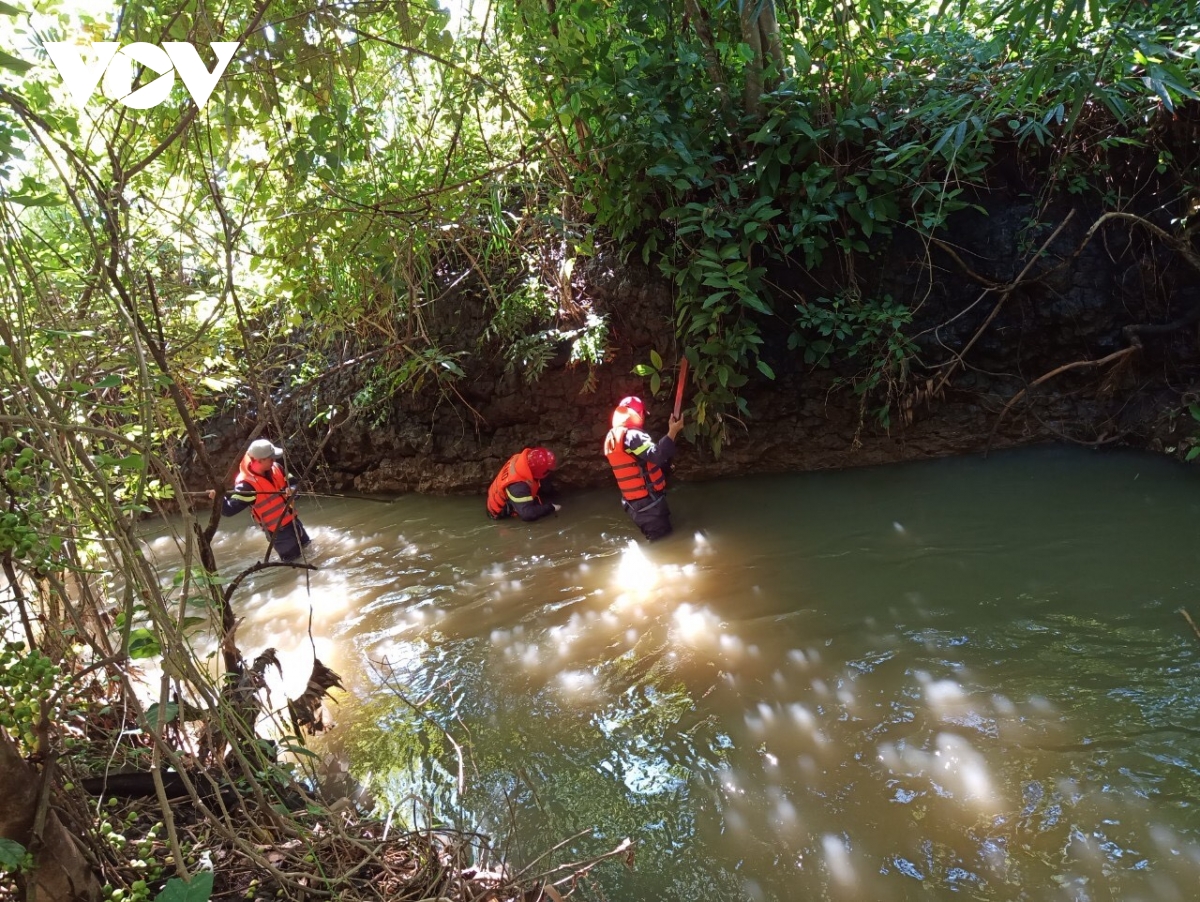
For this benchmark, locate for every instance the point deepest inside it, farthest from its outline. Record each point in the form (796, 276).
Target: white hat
(261, 449)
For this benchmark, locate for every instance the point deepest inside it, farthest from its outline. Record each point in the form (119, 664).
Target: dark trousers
(651, 515)
(288, 540)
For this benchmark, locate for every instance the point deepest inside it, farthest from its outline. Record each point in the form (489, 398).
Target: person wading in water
(639, 466)
(515, 492)
(264, 487)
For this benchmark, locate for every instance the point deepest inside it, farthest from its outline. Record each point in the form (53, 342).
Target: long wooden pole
(311, 494)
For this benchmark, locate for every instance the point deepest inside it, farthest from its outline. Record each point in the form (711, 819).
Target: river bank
(1018, 335)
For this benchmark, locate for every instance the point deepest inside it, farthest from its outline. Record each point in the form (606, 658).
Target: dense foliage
(359, 164)
(723, 161)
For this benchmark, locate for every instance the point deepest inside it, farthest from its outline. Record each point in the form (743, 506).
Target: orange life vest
(272, 508)
(516, 470)
(636, 478)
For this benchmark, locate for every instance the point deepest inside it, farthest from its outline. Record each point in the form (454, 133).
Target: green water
(954, 679)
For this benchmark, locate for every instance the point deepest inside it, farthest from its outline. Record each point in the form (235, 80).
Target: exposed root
(959, 356)
(967, 270)
(1132, 333)
(1078, 364)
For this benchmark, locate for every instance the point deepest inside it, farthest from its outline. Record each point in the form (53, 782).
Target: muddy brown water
(955, 679)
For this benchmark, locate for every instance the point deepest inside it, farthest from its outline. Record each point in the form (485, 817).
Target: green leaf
(755, 303)
(655, 359)
(7, 10)
(1194, 410)
(11, 854)
(143, 644)
(765, 369)
(16, 64)
(1193, 453)
(170, 713)
(1156, 85)
(946, 136)
(30, 200)
(299, 750)
(198, 889)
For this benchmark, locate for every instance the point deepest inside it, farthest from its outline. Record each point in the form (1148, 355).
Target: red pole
(683, 365)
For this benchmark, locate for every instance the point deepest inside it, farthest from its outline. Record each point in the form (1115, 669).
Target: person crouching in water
(639, 466)
(264, 487)
(514, 491)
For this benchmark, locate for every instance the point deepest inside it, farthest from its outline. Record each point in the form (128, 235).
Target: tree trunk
(712, 62)
(60, 872)
(772, 46)
(752, 100)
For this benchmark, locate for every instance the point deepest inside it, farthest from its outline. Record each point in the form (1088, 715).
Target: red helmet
(630, 412)
(541, 462)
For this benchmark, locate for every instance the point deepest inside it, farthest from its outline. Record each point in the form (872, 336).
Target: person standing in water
(639, 465)
(515, 492)
(264, 487)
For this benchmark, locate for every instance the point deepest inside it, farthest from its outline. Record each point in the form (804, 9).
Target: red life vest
(636, 478)
(272, 508)
(516, 470)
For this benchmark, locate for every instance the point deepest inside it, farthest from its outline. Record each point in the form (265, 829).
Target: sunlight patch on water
(782, 813)
(164, 545)
(759, 720)
(837, 860)
(727, 779)
(286, 607)
(636, 575)
(694, 626)
(732, 648)
(566, 637)
(955, 769)
(941, 694)
(1003, 705)
(578, 684)
(797, 658)
(804, 720)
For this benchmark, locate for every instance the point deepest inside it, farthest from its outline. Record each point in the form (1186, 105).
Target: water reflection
(961, 678)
